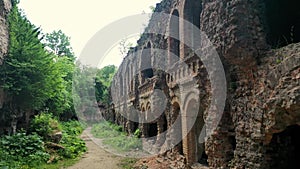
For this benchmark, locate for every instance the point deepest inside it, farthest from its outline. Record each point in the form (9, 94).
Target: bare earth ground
(96, 157)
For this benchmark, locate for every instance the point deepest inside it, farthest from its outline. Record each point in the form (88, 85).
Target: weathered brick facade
(260, 124)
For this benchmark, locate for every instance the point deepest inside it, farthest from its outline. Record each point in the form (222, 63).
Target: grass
(113, 136)
(128, 163)
(61, 164)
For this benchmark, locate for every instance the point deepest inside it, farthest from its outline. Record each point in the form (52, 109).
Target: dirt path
(96, 157)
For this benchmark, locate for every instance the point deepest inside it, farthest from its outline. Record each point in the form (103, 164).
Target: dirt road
(96, 157)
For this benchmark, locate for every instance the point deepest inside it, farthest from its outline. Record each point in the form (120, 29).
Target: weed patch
(114, 137)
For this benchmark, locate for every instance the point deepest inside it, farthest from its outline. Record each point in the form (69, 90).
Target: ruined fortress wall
(5, 6)
(261, 119)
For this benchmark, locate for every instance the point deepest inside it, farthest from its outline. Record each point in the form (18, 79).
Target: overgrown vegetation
(36, 147)
(128, 163)
(103, 81)
(92, 84)
(33, 78)
(114, 137)
(22, 151)
(37, 78)
(45, 125)
(74, 146)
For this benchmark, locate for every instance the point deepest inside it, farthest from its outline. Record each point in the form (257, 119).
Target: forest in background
(39, 125)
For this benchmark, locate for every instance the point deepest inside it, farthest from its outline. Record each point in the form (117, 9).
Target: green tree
(61, 103)
(59, 43)
(30, 75)
(103, 81)
(84, 90)
(106, 74)
(26, 68)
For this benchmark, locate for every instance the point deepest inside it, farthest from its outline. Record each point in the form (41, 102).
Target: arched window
(191, 14)
(174, 38)
(146, 64)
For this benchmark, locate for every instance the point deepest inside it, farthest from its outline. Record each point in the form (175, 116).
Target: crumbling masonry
(258, 43)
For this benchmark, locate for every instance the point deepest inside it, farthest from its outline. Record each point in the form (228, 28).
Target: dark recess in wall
(283, 19)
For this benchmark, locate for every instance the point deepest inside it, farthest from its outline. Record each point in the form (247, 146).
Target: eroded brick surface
(262, 112)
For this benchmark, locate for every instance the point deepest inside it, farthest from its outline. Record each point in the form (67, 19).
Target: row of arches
(133, 72)
(178, 32)
(282, 25)
(184, 37)
(189, 124)
(184, 29)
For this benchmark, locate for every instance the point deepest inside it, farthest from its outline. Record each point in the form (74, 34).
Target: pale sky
(82, 19)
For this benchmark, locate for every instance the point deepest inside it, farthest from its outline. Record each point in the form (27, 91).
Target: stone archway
(162, 127)
(194, 147)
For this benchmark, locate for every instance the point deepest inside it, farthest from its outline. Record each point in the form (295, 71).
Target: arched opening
(191, 13)
(143, 108)
(135, 126)
(174, 39)
(177, 128)
(143, 125)
(146, 64)
(284, 149)
(196, 145)
(162, 127)
(152, 132)
(151, 127)
(283, 22)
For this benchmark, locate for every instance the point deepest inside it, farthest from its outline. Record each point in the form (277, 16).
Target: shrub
(74, 146)
(22, 150)
(72, 127)
(44, 125)
(137, 133)
(28, 151)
